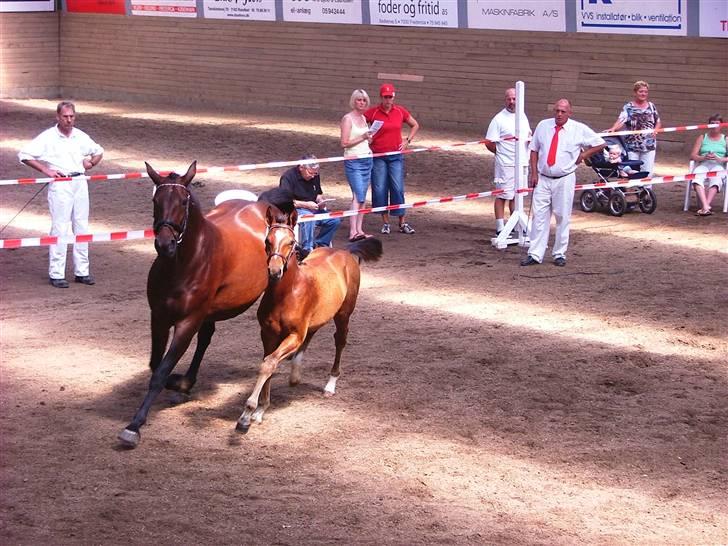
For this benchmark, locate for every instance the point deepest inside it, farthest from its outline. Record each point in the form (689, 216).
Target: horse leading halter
(159, 224)
(293, 246)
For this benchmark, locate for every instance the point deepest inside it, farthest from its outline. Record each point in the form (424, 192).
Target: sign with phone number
(322, 11)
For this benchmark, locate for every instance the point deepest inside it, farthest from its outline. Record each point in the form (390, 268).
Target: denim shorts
(359, 174)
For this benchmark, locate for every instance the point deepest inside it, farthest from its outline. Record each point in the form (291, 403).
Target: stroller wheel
(648, 201)
(617, 203)
(588, 201)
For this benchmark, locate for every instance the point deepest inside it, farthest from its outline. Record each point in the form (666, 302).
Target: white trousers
(68, 204)
(647, 159)
(551, 195)
(707, 166)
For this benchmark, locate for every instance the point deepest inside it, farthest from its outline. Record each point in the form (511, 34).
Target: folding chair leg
(688, 189)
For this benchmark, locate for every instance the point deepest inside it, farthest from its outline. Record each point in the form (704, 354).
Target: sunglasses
(387, 96)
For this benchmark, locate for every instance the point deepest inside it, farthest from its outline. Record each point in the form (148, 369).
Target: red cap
(386, 89)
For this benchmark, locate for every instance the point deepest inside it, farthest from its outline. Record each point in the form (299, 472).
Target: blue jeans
(306, 231)
(388, 182)
(358, 173)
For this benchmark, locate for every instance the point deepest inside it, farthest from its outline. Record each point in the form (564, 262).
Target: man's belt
(554, 177)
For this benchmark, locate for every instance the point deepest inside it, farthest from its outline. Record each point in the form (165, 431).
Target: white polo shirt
(63, 153)
(503, 125)
(572, 138)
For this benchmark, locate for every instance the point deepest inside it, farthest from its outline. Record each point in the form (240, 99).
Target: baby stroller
(617, 200)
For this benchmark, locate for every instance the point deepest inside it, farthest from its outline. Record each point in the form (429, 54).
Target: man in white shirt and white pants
(501, 136)
(64, 150)
(558, 145)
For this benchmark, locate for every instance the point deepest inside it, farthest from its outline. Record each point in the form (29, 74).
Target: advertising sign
(117, 7)
(249, 10)
(517, 14)
(27, 5)
(322, 11)
(714, 18)
(164, 8)
(414, 13)
(632, 16)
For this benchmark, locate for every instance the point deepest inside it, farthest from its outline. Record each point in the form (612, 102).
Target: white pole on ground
(518, 221)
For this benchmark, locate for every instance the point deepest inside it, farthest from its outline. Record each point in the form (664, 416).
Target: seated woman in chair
(710, 154)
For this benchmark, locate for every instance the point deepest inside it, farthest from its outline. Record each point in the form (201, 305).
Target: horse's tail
(366, 250)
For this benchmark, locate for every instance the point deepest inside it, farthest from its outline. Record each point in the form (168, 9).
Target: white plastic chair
(228, 195)
(689, 189)
(245, 195)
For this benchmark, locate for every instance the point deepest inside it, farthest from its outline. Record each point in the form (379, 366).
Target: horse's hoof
(328, 394)
(129, 438)
(178, 382)
(242, 427)
(180, 398)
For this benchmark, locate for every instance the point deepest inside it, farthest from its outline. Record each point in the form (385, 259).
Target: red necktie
(551, 159)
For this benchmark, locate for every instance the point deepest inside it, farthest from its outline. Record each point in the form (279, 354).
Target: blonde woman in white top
(355, 139)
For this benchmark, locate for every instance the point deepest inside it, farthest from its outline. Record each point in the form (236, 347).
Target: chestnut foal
(300, 299)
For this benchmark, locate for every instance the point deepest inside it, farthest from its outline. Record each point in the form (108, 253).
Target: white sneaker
(385, 229)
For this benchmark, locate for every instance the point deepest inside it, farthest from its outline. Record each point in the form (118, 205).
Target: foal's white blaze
(279, 238)
(330, 388)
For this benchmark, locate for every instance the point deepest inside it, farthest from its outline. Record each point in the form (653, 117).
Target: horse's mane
(280, 197)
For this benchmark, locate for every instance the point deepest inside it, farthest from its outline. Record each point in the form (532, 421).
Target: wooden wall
(312, 68)
(29, 55)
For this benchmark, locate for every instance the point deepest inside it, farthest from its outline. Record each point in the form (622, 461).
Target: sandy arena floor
(480, 402)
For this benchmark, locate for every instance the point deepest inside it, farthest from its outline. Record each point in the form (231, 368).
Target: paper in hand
(376, 125)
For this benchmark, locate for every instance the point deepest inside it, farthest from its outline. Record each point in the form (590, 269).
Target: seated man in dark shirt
(304, 183)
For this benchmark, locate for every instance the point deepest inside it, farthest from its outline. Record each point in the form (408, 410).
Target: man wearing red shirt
(388, 171)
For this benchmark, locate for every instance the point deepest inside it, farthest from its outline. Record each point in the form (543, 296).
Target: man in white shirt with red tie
(558, 145)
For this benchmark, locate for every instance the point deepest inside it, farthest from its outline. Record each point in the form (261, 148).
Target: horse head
(172, 199)
(280, 241)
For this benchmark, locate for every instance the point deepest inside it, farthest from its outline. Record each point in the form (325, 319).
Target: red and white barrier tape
(666, 129)
(148, 233)
(248, 167)
(335, 159)
(622, 184)
(88, 238)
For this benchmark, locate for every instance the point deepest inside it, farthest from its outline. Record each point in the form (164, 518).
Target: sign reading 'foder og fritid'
(417, 13)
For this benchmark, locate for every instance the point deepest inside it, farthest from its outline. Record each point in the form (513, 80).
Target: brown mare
(209, 267)
(299, 300)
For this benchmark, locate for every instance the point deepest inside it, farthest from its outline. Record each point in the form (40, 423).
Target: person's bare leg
(499, 208)
(704, 203)
(354, 221)
(712, 192)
